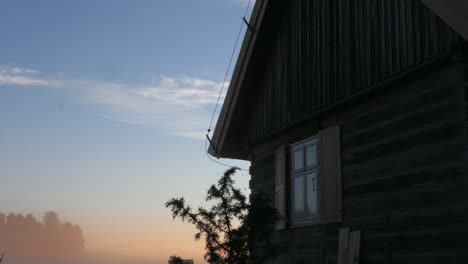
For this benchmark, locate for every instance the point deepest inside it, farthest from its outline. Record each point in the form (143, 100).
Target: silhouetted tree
(175, 260)
(233, 228)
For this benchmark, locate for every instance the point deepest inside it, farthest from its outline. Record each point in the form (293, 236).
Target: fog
(25, 236)
(80, 260)
(24, 239)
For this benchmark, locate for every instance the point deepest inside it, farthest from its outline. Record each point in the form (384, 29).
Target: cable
(220, 163)
(228, 68)
(222, 89)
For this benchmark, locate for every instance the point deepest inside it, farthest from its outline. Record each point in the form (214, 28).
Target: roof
(222, 125)
(453, 12)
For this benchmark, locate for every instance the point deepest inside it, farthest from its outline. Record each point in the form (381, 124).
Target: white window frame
(303, 144)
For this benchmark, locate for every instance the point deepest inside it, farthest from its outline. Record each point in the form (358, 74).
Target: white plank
(354, 247)
(343, 246)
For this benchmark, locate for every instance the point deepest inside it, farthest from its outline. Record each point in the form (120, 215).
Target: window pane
(298, 159)
(299, 196)
(311, 155)
(312, 188)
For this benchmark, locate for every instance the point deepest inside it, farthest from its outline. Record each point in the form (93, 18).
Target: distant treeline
(25, 236)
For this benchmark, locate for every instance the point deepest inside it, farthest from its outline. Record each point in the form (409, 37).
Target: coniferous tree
(235, 231)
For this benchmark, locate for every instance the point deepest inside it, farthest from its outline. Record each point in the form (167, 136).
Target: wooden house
(353, 114)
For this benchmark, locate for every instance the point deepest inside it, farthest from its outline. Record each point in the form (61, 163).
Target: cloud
(21, 76)
(179, 105)
(186, 91)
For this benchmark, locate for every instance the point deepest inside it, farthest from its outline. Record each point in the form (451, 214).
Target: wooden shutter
(330, 175)
(280, 184)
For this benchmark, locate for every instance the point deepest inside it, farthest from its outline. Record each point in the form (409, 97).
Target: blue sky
(103, 110)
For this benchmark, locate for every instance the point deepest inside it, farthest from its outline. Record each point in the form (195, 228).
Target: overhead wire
(220, 163)
(228, 68)
(222, 89)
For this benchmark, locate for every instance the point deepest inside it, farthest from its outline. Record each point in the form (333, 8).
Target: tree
(233, 228)
(175, 260)
(51, 220)
(32, 238)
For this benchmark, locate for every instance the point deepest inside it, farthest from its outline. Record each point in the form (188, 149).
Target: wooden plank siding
(405, 184)
(327, 50)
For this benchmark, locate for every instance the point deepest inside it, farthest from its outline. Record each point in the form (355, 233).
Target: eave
(218, 146)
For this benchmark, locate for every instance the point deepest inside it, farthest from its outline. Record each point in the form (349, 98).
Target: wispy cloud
(22, 76)
(180, 105)
(187, 91)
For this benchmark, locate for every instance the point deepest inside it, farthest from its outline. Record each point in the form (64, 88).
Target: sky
(104, 106)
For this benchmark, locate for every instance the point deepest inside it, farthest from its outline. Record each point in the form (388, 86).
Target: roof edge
(245, 54)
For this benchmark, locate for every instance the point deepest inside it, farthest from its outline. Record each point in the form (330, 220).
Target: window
(305, 181)
(314, 174)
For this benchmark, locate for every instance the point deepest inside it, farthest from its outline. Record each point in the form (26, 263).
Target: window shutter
(280, 183)
(330, 177)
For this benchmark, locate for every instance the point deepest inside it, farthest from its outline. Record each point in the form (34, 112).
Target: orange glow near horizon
(132, 239)
(150, 240)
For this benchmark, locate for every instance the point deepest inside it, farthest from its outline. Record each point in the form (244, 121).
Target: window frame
(303, 144)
